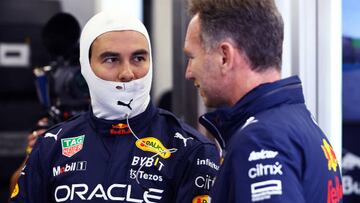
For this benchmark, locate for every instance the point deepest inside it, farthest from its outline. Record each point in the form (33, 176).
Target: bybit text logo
(147, 162)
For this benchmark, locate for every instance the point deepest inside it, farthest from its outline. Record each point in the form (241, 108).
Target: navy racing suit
(275, 151)
(152, 157)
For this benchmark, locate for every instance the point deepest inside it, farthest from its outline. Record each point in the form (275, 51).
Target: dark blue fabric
(274, 150)
(112, 166)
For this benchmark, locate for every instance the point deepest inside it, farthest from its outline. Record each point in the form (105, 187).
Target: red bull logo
(335, 192)
(120, 129)
(201, 199)
(330, 155)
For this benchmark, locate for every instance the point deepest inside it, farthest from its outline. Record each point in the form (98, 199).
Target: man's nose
(188, 73)
(126, 73)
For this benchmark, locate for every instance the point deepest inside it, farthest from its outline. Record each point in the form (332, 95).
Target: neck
(247, 81)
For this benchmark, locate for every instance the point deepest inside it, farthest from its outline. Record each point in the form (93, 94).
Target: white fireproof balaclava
(114, 100)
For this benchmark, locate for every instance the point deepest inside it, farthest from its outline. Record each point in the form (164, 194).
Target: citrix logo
(65, 193)
(204, 182)
(263, 170)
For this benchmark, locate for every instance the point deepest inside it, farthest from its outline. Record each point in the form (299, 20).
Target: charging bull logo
(119, 129)
(151, 144)
(330, 155)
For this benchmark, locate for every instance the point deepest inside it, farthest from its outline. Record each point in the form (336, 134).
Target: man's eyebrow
(109, 54)
(140, 52)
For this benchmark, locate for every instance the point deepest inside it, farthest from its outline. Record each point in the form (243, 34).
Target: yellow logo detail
(15, 192)
(201, 199)
(151, 144)
(330, 155)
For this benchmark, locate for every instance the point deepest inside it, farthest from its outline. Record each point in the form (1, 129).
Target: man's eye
(110, 60)
(139, 58)
(189, 57)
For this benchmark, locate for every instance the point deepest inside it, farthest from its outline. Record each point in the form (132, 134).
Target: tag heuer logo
(72, 145)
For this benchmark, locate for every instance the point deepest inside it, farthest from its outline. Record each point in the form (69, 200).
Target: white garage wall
(312, 50)
(162, 33)
(80, 9)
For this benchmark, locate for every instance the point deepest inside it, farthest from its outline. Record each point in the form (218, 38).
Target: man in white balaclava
(120, 97)
(123, 149)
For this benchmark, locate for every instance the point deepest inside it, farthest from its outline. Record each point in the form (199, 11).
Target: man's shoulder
(183, 130)
(61, 130)
(280, 118)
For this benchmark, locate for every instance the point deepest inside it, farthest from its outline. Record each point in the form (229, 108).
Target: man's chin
(212, 103)
(207, 102)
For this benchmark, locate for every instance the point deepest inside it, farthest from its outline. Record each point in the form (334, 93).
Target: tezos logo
(72, 145)
(151, 144)
(138, 174)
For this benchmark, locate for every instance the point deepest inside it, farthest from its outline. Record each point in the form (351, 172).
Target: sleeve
(260, 166)
(30, 186)
(202, 166)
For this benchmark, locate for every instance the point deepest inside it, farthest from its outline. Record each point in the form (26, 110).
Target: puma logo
(53, 135)
(124, 104)
(181, 137)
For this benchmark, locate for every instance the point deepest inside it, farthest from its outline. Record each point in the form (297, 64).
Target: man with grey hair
(274, 149)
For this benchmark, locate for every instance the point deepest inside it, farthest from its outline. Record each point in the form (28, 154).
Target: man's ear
(227, 53)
